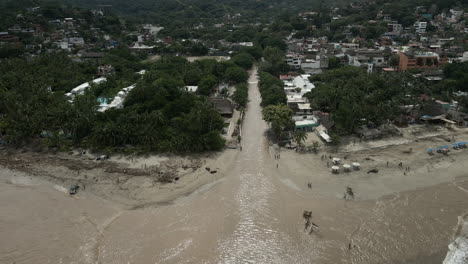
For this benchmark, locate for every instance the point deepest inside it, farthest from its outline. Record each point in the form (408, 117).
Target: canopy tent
(336, 160)
(335, 169)
(356, 165)
(346, 167)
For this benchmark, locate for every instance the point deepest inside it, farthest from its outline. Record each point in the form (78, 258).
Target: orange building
(426, 60)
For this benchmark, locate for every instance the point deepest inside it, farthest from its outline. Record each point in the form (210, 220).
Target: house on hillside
(360, 58)
(223, 106)
(191, 89)
(420, 60)
(105, 70)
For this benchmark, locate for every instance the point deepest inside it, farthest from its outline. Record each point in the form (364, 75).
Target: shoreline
(118, 178)
(130, 182)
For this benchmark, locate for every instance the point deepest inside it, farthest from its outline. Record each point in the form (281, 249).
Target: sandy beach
(249, 211)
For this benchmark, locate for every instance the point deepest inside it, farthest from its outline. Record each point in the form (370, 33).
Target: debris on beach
(408, 151)
(73, 189)
(102, 157)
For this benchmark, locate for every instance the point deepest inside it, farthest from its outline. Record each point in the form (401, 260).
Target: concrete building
(420, 27)
(394, 29)
(423, 60)
(360, 58)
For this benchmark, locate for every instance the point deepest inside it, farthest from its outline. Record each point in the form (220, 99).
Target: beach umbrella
(446, 146)
(439, 147)
(430, 150)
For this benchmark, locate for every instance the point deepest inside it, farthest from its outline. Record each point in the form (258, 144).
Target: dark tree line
(159, 115)
(354, 97)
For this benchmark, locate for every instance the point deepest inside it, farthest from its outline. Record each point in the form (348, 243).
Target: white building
(191, 89)
(76, 41)
(294, 61)
(246, 44)
(394, 29)
(420, 27)
(118, 100)
(456, 14)
(296, 89)
(80, 89)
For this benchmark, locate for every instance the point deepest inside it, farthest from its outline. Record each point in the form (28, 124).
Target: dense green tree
(334, 63)
(236, 75)
(241, 94)
(244, 60)
(271, 89)
(279, 117)
(300, 137)
(354, 97)
(206, 85)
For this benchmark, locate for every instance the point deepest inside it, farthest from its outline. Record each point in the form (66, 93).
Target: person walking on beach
(328, 164)
(307, 224)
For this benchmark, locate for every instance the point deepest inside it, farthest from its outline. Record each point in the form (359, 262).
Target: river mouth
(250, 212)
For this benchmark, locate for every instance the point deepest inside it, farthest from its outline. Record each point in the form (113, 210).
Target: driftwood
(408, 151)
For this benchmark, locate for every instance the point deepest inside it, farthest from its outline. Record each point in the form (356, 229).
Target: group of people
(324, 157)
(400, 165)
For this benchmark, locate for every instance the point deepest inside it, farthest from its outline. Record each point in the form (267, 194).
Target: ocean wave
(458, 249)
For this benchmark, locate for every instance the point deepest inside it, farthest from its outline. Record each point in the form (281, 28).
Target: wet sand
(249, 212)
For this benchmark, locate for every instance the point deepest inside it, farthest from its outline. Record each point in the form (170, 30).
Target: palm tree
(299, 137)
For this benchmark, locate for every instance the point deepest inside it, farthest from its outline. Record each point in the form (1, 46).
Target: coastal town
(255, 132)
